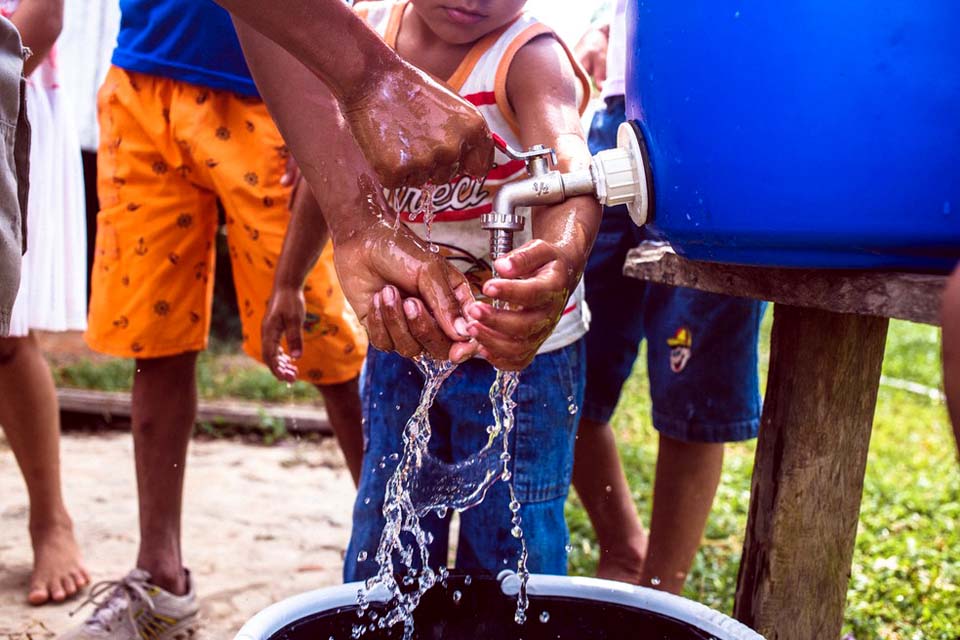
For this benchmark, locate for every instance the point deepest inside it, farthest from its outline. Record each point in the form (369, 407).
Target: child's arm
(39, 23)
(306, 236)
(537, 278)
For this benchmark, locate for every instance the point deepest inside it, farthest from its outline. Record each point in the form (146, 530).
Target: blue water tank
(807, 133)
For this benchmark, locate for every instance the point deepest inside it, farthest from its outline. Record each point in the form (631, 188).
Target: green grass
(906, 568)
(221, 372)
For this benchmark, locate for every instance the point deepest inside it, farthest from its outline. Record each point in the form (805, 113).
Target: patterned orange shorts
(168, 151)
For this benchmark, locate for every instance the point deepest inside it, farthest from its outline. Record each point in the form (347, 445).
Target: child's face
(466, 21)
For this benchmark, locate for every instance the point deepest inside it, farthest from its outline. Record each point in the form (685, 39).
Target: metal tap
(615, 176)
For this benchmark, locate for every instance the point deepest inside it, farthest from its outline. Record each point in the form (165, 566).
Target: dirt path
(260, 524)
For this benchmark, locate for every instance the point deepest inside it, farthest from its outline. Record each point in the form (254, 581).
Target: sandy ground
(260, 524)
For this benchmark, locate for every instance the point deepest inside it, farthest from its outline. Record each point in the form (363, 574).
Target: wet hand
(406, 327)
(284, 320)
(409, 299)
(413, 131)
(535, 284)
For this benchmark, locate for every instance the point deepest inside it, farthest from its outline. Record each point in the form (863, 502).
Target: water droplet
(394, 456)
(520, 617)
(456, 596)
(361, 556)
(569, 548)
(514, 506)
(545, 617)
(572, 409)
(736, 14)
(505, 456)
(398, 407)
(608, 489)
(382, 465)
(467, 580)
(366, 501)
(655, 581)
(505, 476)
(516, 532)
(441, 512)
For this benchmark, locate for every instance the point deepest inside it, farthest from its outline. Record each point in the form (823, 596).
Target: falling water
(422, 483)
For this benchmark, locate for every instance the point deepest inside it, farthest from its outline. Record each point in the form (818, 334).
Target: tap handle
(538, 151)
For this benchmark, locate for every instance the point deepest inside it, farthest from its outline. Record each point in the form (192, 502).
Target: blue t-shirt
(188, 40)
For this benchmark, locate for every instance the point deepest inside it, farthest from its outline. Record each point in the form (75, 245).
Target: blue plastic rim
(802, 133)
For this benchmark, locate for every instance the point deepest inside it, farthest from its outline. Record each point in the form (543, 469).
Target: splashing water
(422, 483)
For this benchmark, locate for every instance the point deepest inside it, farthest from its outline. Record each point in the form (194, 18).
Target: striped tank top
(481, 79)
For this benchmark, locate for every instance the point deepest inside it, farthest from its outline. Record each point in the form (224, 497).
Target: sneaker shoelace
(111, 597)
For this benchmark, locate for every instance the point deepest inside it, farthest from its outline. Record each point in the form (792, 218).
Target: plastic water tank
(810, 133)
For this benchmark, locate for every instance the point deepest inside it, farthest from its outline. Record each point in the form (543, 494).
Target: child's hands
(413, 131)
(537, 279)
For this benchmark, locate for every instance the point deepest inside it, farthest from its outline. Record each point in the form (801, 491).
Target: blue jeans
(541, 448)
(702, 348)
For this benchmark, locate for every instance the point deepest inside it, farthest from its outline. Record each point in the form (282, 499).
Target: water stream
(422, 483)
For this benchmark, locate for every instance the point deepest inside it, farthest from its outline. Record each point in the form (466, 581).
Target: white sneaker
(134, 609)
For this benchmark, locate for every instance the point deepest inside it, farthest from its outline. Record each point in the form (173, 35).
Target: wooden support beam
(808, 479)
(297, 418)
(907, 296)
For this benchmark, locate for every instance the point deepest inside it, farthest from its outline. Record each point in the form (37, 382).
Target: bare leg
(602, 486)
(164, 411)
(687, 477)
(30, 417)
(343, 407)
(950, 320)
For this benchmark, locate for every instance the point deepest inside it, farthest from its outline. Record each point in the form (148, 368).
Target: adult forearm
(325, 35)
(320, 140)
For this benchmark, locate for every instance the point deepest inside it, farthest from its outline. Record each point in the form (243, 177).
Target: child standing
(52, 297)
(529, 88)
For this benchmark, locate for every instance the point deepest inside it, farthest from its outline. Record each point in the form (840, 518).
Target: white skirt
(53, 284)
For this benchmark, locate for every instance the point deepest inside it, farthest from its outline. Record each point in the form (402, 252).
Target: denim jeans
(541, 448)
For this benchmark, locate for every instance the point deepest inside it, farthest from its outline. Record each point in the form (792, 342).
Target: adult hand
(391, 279)
(537, 279)
(413, 131)
(591, 51)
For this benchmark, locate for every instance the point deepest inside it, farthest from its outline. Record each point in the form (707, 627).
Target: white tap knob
(620, 175)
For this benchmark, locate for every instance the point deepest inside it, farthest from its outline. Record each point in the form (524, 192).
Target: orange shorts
(168, 151)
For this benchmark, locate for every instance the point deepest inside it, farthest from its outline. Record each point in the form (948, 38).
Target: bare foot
(58, 572)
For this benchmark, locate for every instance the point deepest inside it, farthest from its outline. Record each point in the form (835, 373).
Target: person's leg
(541, 448)
(152, 286)
(342, 402)
(161, 431)
(391, 381)
(602, 487)
(686, 481)
(950, 321)
(616, 329)
(702, 361)
(30, 416)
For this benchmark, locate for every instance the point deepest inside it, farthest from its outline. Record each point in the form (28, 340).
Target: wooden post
(808, 479)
